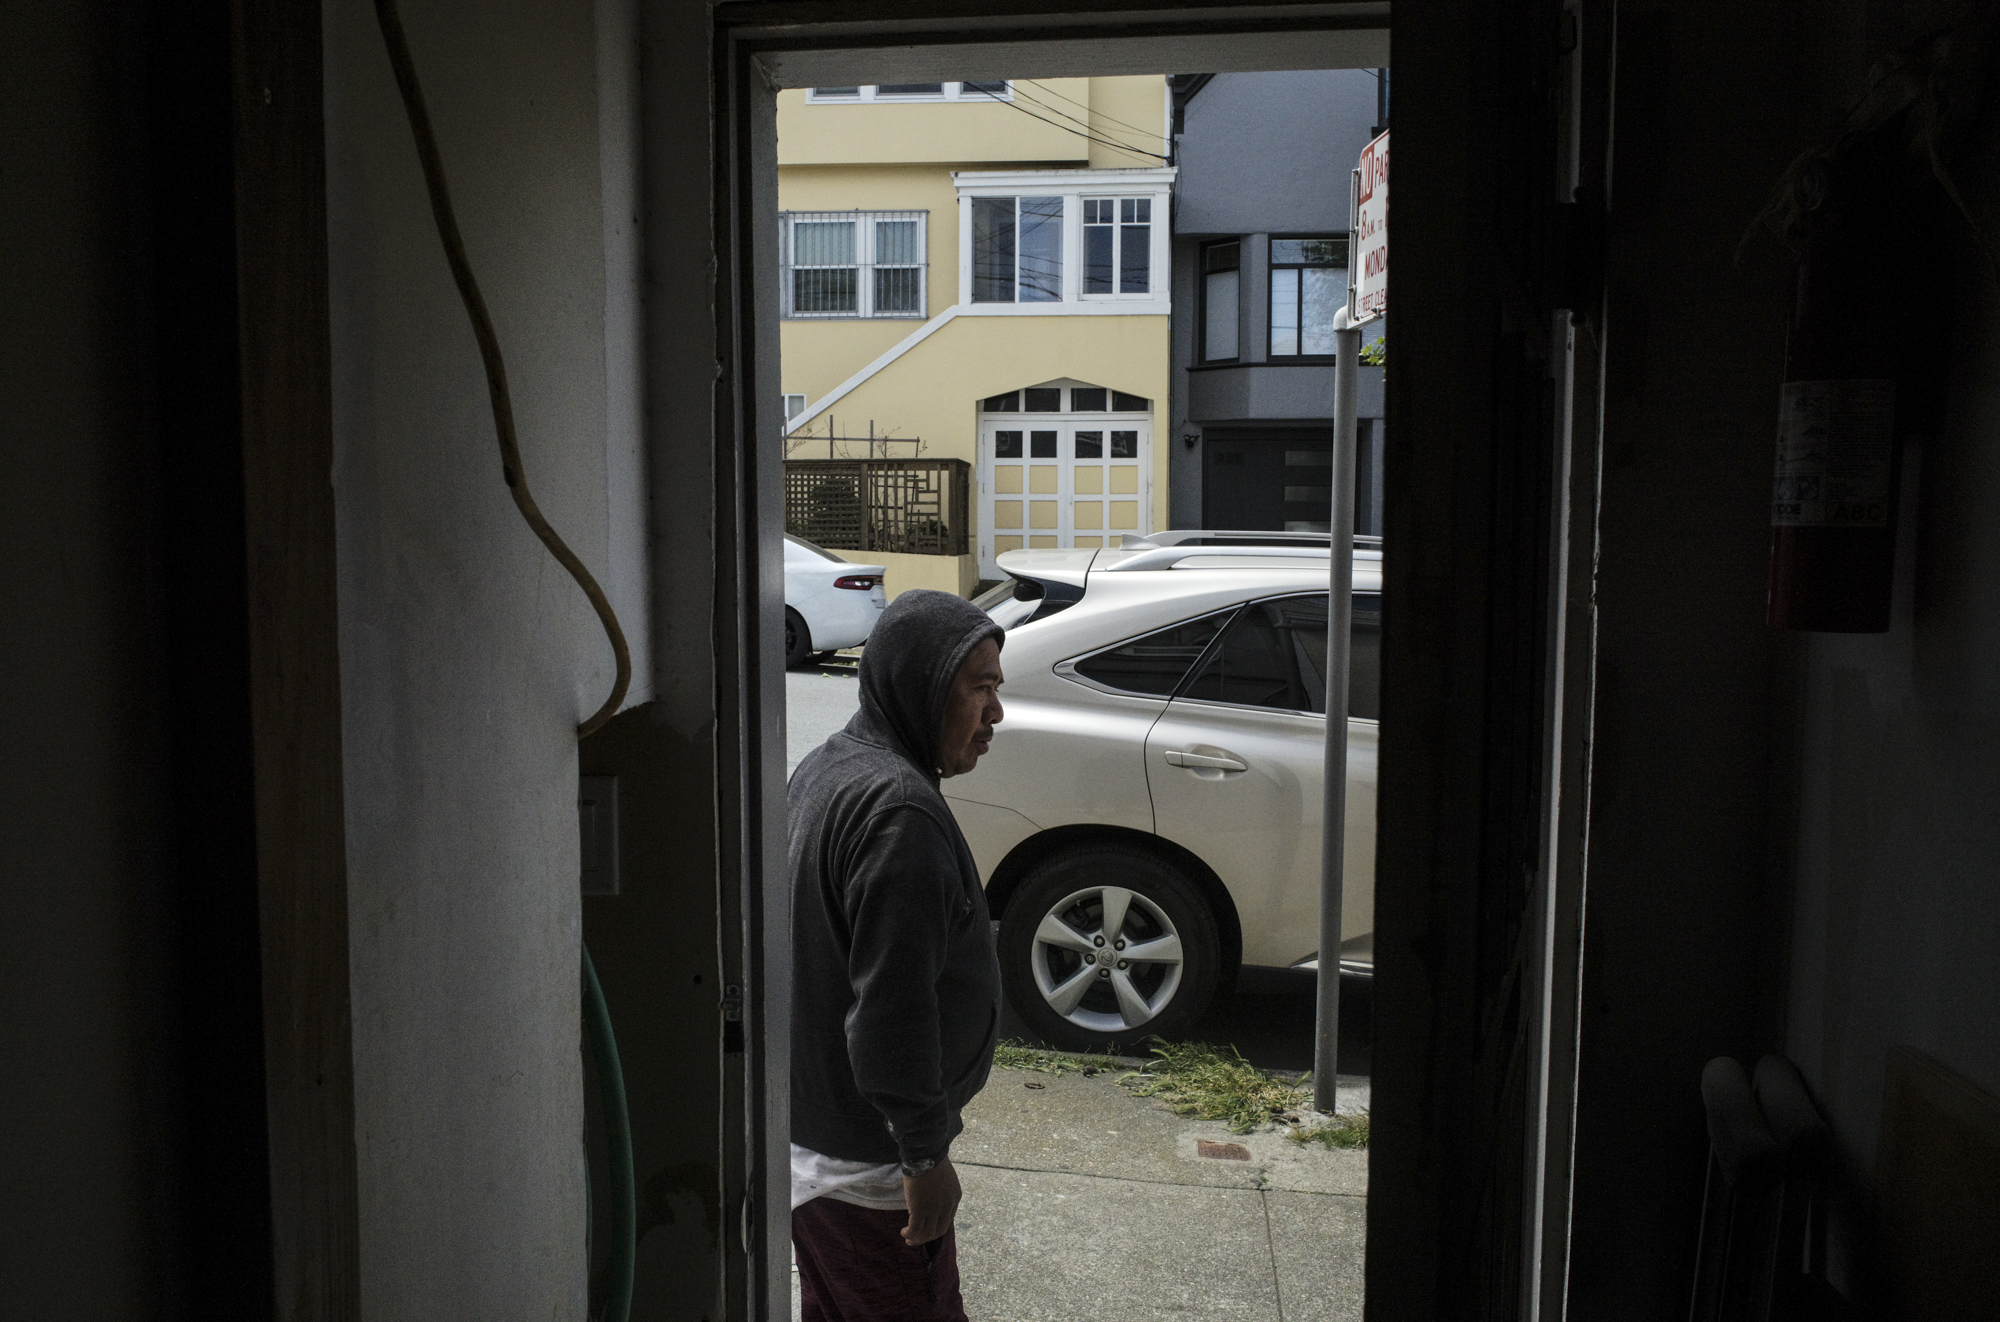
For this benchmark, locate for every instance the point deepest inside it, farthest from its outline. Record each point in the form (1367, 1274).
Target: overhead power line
(1081, 133)
(1092, 109)
(1103, 134)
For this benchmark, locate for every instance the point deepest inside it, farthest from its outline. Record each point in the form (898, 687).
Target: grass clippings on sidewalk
(1347, 1131)
(1202, 1081)
(1196, 1079)
(1011, 1055)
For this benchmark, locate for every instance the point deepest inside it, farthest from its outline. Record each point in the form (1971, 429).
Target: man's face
(972, 710)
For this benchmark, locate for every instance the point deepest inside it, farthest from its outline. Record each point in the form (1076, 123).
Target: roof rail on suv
(1163, 550)
(1213, 537)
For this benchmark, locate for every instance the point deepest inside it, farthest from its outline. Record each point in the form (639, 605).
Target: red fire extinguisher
(1833, 491)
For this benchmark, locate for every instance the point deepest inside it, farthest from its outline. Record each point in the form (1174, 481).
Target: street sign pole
(1367, 299)
(1339, 622)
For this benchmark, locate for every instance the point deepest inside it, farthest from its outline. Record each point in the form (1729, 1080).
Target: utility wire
(1084, 132)
(1044, 87)
(1104, 135)
(1081, 133)
(1100, 135)
(511, 471)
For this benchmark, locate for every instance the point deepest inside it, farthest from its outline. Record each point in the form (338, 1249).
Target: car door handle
(1177, 758)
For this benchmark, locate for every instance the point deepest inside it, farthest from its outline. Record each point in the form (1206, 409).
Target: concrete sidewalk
(1085, 1202)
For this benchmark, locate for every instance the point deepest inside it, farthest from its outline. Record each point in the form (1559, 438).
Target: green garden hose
(618, 1138)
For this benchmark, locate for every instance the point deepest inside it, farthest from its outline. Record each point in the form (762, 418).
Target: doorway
(1074, 476)
(1447, 1156)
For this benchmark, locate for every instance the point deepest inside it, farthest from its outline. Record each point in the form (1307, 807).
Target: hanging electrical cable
(1099, 112)
(596, 1013)
(1090, 130)
(1084, 132)
(511, 471)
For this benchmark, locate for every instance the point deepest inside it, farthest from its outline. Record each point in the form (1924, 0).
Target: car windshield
(821, 552)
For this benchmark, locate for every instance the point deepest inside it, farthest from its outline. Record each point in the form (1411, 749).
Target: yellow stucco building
(979, 271)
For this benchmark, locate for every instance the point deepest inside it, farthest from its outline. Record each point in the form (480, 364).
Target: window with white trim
(1117, 245)
(839, 264)
(794, 405)
(991, 89)
(1017, 249)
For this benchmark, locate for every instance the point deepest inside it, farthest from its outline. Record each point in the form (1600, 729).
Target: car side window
(1269, 658)
(1156, 663)
(1274, 655)
(1364, 658)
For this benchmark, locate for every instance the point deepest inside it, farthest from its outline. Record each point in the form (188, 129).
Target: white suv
(1155, 788)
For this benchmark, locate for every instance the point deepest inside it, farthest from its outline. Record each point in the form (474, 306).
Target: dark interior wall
(1793, 835)
(1895, 935)
(135, 1176)
(81, 795)
(1682, 953)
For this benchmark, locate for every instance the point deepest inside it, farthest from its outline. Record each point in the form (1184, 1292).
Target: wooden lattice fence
(903, 506)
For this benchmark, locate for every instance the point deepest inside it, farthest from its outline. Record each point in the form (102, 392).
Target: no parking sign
(1368, 235)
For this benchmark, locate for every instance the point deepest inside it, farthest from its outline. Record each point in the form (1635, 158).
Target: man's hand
(933, 1198)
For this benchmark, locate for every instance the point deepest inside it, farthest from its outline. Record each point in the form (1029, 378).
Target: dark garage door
(1270, 481)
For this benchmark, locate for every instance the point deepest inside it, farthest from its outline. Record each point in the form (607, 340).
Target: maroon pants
(855, 1267)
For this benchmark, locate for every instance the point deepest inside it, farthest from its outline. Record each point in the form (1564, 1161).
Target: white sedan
(829, 603)
(1148, 819)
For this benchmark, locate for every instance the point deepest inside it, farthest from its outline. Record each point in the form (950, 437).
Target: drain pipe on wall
(1339, 621)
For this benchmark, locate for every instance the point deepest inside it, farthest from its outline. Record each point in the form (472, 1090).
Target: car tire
(798, 640)
(1047, 969)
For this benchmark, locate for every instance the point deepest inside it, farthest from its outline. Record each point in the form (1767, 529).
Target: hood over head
(913, 654)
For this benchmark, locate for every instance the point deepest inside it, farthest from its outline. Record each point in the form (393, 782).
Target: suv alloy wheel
(1106, 945)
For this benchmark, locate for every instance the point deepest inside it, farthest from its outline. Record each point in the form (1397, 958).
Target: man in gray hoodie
(895, 985)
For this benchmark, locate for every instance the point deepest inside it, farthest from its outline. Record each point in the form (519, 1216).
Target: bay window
(1050, 243)
(1117, 245)
(1017, 249)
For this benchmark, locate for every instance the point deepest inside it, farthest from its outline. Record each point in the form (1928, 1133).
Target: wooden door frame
(285, 351)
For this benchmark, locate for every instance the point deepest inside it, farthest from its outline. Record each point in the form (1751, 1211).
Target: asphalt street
(818, 701)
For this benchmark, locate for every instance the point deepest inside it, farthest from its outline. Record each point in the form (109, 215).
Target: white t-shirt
(859, 1182)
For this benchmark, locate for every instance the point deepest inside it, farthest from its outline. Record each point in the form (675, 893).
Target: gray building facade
(1259, 265)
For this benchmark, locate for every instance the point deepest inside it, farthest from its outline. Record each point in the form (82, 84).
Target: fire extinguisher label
(1835, 448)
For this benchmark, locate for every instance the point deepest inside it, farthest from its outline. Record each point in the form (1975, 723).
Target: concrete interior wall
(468, 657)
